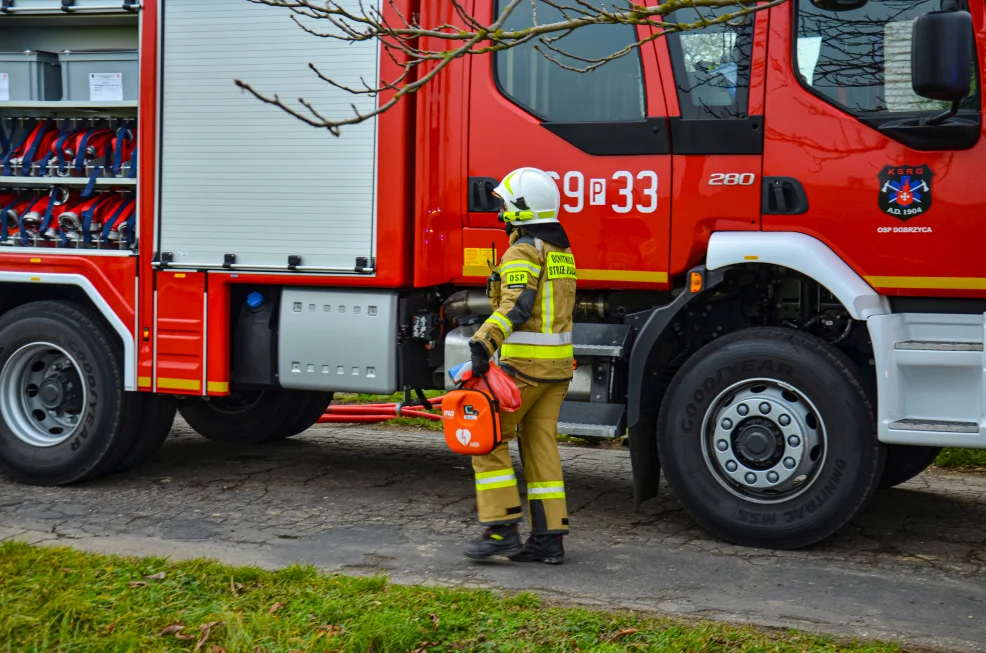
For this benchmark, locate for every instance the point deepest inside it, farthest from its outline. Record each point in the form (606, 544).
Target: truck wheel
(769, 440)
(65, 415)
(245, 417)
(306, 419)
(904, 462)
(157, 415)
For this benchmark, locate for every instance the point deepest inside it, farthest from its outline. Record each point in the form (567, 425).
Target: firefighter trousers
(497, 497)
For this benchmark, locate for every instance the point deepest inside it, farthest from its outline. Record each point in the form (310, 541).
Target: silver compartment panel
(338, 340)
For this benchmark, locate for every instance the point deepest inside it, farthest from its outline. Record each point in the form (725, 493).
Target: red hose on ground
(371, 413)
(434, 401)
(352, 419)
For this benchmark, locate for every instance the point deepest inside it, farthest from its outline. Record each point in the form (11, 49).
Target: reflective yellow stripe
(535, 351)
(473, 270)
(495, 486)
(178, 384)
(143, 382)
(506, 183)
(938, 283)
(501, 322)
(520, 265)
(545, 490)
(495, 479)
(494, 473)
(545, 215)
(547, 307)
(535, 338)
(623, 275)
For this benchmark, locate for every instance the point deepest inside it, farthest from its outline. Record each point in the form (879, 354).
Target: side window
(611, 92)
(860, 59)
(712, 65)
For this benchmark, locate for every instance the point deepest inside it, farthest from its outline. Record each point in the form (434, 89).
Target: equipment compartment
(99, 76)
(68, 175)
(29, 76)
(244, 185)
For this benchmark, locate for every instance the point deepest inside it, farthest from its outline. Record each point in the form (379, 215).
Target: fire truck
(781, 292)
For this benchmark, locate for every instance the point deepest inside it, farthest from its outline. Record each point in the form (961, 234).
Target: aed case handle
(493, 397)
(481, 198)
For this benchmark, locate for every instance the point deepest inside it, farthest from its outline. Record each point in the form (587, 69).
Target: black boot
(496, 541)
(542, 548)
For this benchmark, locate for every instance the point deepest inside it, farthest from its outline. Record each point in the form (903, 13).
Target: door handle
(481, 199)
(783, 196)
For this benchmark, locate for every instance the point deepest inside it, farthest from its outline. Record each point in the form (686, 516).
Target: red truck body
(870, 218)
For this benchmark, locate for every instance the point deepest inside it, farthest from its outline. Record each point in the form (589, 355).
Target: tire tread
(91, 326)
(845, 368)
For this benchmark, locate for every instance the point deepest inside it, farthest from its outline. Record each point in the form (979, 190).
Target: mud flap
(644, 459)
(648, 327)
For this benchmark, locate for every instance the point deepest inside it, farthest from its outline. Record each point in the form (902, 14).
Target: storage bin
(99, 75)
(31, 76)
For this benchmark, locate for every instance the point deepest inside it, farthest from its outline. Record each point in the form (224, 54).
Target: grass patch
(66, 600)
(959, 458)
(352, 398)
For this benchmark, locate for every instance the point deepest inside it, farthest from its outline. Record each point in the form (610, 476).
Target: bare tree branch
(422, 52)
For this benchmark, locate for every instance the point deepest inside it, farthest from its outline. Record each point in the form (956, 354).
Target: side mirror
(941, 55)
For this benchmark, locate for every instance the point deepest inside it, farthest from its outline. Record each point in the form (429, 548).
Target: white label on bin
(106, 87)
(4, 87)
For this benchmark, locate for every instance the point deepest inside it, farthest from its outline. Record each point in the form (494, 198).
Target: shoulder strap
(534, 241)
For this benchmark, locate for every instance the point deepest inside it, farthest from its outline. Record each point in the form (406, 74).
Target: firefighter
(532, 294)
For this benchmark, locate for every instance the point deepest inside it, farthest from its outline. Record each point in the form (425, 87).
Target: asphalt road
(912, 568)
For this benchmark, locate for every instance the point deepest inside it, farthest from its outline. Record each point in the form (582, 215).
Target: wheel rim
(764, 440)
(235, 402)
(42, 394)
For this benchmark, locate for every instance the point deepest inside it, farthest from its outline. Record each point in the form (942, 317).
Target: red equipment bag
(495, 381)
(501, 385)
(471, 421)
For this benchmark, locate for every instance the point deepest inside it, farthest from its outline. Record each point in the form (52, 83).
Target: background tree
(422, 51)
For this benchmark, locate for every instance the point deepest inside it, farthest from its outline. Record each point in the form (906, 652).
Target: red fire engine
(780, 293)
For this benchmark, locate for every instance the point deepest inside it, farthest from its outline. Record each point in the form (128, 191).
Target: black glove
(480, 359)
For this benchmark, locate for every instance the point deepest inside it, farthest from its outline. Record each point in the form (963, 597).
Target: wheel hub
(51, 393)
(758, 443)
(42, 396)
(763, 440)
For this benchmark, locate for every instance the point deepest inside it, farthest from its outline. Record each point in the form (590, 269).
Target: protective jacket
(532, 294)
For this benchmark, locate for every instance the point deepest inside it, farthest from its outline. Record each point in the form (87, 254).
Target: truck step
(599, 340)
(935, 345)
(592, 420)
(934, 425)
(602, 351)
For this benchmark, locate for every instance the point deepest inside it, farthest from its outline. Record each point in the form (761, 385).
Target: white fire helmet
(530, 196)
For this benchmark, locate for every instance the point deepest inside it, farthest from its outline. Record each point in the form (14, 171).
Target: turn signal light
(695, 283)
